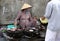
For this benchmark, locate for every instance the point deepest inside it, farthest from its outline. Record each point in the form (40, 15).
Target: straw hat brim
(26, 6)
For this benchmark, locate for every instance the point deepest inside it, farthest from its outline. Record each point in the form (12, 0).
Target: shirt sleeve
(48, 10)
(18, 16)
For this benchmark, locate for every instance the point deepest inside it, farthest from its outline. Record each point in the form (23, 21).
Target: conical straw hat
(25, 6)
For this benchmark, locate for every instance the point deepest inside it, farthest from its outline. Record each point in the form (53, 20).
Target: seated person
(25, 17)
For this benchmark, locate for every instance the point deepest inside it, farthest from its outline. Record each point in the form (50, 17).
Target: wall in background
(10, 8)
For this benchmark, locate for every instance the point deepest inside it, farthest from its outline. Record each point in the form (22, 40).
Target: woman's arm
(18, 16)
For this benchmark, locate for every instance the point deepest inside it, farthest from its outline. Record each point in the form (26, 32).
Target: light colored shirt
(53, 14)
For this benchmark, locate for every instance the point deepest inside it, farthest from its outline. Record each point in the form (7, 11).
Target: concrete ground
(2, 39)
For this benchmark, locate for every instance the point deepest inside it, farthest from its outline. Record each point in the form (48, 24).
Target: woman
(24, 17)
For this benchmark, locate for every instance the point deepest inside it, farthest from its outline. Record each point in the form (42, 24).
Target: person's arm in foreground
(48, 11)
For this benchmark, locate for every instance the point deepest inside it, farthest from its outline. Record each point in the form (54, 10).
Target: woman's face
(28, 9)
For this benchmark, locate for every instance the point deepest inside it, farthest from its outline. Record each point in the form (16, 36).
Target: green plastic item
(3, 31)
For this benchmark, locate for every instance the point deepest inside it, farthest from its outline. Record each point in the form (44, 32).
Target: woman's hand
(14, 29)
(15, 23)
